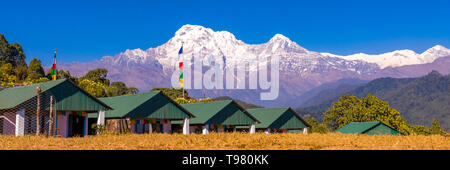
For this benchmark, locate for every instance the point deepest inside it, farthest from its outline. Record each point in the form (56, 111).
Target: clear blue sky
(85, 30)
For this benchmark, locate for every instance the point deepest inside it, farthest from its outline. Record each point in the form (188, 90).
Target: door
(76, 125)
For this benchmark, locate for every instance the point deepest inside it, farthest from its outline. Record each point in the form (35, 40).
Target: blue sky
(85, 30)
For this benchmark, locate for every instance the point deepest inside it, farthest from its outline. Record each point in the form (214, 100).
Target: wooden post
(51, 117)
(38, 122)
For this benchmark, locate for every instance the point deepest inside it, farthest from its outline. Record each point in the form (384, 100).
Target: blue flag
(181, 50)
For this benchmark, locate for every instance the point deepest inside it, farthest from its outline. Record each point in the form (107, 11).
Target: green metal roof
(144, 105)
(278, 118)
(66, 94)
(224, 112)
(366, 128)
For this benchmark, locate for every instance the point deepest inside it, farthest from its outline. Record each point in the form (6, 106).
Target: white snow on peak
(279, 37)
(223, 45)
(399, 57)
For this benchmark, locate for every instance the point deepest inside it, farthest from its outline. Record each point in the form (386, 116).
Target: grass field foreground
(228, 141)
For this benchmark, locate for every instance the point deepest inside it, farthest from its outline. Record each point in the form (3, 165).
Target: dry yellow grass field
(228, 141)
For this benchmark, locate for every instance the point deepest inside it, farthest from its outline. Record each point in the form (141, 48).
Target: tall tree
(21, 73)
(11, 53)
(436, 128)
(5, 50)
(35, 71)
(351, 109)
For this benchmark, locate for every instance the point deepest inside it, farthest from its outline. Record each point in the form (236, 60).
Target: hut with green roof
(282, 119)
(143, 113)
(218, 116)
(68, 104)
(368, 128)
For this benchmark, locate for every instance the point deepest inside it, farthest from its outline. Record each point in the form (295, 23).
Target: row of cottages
(77, 111)
(277, 120)
(142, 113)
(18, 108)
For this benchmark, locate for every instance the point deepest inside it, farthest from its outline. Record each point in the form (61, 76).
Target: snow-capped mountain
(399, 57)
(300, 69)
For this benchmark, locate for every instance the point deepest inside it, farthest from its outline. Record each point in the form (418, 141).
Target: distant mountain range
(419, 100)
(301, 70)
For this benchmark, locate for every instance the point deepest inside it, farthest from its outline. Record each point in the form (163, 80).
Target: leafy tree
(35, 71)
(96, 89)
(436, 128)
(11, 53)
(420, 130)
(97, 75)
(316, 126)
(17, 55)
(7, 77)
(66, 74)
(119, 88)
(351, 109)
(21, 73)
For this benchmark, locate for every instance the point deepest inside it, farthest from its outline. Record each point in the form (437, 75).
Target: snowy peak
(201, 35)
(197, 39)
(438, 48)
(279, 37)
(399, 57)
(280, 43)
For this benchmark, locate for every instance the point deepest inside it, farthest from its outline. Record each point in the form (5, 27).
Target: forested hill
(419, 100)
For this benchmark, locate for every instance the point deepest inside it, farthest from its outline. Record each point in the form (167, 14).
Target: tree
(11, 53)
(21, 73)
(117, 89)
(97, 75)
(96, 89)
(35, 71)
(351, 109)
(5, 50)
(316, 126)
(17, 55)
(7, 77)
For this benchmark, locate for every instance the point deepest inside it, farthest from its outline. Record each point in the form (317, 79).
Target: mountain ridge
(301, 70)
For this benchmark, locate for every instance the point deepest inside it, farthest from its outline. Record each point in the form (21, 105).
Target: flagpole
(182, 87)
(54, 66)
